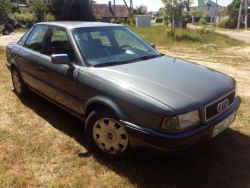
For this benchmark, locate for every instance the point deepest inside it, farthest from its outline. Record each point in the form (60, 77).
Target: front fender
(103, 101)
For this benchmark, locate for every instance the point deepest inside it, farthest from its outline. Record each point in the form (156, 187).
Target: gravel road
(13, 37)
(239, 35)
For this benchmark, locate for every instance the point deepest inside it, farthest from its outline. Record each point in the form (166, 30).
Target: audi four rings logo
(222, 105)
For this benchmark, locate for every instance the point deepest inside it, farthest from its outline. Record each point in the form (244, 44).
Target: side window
(35, 39)
(58, 43)
(124, 39)
(24, 38)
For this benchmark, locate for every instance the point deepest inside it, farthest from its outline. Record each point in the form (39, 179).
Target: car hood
(180, 84)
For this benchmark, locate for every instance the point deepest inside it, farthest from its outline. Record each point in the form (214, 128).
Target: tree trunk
(238, 26)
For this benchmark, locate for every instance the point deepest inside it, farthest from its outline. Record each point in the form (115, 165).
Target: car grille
(219, 106)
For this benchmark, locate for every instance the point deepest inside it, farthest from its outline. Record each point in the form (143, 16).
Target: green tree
(19, 1)
(173, 12)
(5, 8)
(139, 10)
(40, 8)
(233, 12)
(185, 18)
(78, 10)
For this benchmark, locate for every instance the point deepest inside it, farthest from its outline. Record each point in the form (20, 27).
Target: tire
(19, 86)
(106, 135)
(6, 32)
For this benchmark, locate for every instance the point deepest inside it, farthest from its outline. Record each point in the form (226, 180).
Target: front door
(60, 82)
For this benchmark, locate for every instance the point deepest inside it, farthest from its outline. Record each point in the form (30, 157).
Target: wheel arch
(14, 65)
(104, 102)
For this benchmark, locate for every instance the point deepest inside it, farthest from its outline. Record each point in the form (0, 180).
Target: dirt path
(239, 35)
(13, 37)
(242, 35)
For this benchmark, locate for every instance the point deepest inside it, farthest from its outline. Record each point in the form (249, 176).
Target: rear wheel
(106, 135)
(19, 86)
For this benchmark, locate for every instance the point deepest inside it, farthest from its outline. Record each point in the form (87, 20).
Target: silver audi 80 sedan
(130, 96)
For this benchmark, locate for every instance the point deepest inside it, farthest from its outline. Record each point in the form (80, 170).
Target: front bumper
(142, 138)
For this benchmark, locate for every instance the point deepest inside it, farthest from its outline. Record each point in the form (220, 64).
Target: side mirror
(62, 59)
(152, 45)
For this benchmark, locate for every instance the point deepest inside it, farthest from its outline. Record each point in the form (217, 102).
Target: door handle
(41, 67)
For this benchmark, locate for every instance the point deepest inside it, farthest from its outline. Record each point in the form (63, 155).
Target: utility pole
(131, 5)
(215, 16)
(114, 11)
(246, 7)
(238, 25)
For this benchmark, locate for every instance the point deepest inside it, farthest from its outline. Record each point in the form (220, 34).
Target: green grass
(184, 37)
(22, 30)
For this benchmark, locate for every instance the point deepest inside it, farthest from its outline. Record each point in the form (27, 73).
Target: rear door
(29, 56)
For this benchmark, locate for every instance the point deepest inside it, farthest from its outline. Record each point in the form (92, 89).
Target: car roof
(78, 24)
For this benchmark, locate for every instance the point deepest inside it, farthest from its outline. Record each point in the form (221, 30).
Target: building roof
(202, 3)
(103, 10)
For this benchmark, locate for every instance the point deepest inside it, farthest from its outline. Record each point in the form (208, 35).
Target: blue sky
(153, 5)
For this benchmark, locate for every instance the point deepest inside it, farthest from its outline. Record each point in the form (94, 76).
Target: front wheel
(106, 135)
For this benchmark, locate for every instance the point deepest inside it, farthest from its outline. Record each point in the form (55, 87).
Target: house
(107, 11)
(207, 6)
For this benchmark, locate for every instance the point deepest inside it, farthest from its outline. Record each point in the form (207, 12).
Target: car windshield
(113, 45)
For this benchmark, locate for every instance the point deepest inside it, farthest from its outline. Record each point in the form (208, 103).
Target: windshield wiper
(111, 63)
(146, 57)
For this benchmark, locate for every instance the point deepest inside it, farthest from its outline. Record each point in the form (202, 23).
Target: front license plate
(223, 125)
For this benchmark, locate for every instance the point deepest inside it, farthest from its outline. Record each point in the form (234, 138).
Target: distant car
(130, 96)
(8, 28)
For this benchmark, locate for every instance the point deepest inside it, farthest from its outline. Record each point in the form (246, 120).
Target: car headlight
(180, 122)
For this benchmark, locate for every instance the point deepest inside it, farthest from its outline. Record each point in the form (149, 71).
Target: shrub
(226, 23)
(1, 28)
(22, 20)
(203, 21)
(203, 30)
(170, 32)
(130, 21)
(49, 17)
(159, 20)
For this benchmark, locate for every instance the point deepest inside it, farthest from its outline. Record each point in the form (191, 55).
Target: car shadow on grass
(222, 162)
(56, 116)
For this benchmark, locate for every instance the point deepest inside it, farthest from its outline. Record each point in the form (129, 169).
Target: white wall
(143, 20)
(211, 10)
